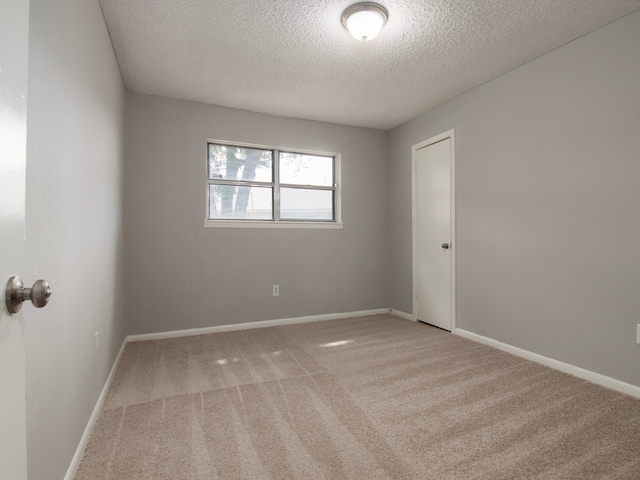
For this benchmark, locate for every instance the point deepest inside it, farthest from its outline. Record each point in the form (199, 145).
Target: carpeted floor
(365, 398)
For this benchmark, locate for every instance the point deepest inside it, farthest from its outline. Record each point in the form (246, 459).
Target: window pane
(304, 204)
(299, 169)
(229, 201)
(240, 163)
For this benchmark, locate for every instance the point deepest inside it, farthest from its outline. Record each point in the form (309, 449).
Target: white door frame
(438, 138)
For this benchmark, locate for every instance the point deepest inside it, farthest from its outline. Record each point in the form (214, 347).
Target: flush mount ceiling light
(364, 20)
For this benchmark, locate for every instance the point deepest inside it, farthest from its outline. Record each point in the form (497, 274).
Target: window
(265, 186)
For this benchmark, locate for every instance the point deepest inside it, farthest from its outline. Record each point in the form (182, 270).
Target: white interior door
(433, 235)
(14, 21)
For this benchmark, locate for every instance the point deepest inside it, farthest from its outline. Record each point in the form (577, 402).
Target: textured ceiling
(294, 58)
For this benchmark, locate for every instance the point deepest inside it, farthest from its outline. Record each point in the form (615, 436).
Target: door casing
(438, 138)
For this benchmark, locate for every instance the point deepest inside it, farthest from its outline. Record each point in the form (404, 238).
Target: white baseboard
(588, 375)
(84, 440)
(249, 325)
(406, 316)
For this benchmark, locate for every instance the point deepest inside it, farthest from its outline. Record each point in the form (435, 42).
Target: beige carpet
(366, 398)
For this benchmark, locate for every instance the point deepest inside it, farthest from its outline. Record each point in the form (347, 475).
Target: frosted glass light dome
(364, 20)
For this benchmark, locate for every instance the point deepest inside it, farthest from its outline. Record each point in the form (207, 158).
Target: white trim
(262, 146)
(84, 440)
(588, 375)
(406, 316)
(261, 224)
(337, 178)
(249, 325)
(454, 245)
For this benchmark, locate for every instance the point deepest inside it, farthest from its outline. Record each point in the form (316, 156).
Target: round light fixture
(364, 20)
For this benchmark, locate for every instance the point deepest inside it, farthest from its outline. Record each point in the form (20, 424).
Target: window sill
(262, 224)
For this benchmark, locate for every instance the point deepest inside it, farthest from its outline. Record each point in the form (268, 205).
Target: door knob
(17, 293)
(445, 246)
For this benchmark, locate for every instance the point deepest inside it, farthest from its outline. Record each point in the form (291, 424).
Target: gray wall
(73, 215)
(181, 275)
(548, 202)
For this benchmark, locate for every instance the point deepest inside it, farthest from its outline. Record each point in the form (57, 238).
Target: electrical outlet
(276, 290)
(638, 334)
(96, 343)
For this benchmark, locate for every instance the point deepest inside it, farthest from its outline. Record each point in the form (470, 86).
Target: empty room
(320, 239)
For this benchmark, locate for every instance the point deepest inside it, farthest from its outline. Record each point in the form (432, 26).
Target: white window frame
(276, 222)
